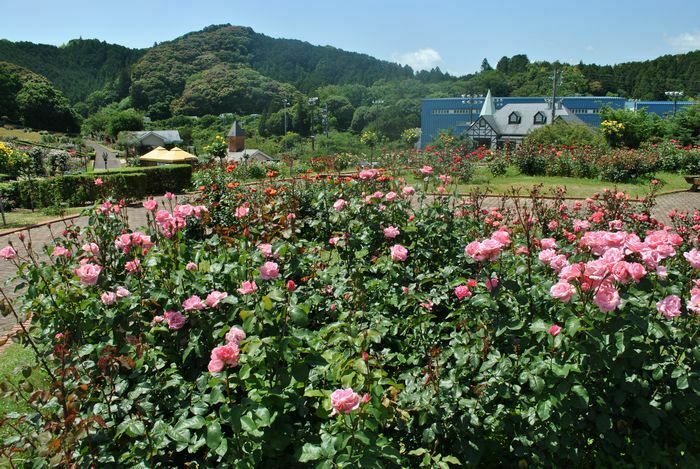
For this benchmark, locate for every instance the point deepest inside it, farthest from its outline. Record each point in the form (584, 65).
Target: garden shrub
(338, 322)
(626, 165)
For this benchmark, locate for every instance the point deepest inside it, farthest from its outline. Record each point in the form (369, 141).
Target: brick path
(42, 236)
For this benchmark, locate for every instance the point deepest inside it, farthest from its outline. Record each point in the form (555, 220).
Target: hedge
(80, 189)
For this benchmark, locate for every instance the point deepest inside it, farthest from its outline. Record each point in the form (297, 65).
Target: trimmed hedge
(80, 189)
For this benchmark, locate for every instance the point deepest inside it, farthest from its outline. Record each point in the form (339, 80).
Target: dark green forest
(233, 69)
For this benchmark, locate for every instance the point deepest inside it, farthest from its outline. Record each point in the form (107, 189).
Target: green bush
(562, 133)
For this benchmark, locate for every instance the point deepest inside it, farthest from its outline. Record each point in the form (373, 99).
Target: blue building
(458, 114)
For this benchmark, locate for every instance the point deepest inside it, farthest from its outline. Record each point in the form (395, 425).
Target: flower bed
(353, 322)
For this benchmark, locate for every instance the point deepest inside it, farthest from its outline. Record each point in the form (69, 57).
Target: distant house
(155, 138)
(237, 152)
(512, 122)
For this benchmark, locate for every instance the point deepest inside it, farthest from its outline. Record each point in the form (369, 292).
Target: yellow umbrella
(155, 154)
(161, 155)
(181, 155)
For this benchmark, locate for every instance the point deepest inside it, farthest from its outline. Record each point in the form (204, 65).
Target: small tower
(488, 109)
(236, 138)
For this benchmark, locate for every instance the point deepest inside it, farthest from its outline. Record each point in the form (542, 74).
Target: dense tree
(685, 126)
(486, 66)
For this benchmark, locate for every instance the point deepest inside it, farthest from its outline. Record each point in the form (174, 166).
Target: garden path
(42, 235)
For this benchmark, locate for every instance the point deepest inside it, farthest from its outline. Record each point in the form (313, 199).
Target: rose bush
(377, 331)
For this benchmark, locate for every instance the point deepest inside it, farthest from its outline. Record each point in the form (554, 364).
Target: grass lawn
(19, 134)
(13, 359)
(24, 217)
(575, 187)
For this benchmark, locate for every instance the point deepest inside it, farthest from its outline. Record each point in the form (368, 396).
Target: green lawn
(24, 217)
(575, 187)
(12, 361)
(19, 134)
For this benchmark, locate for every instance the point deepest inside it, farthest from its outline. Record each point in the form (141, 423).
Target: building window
(540, 119)
(514, 118)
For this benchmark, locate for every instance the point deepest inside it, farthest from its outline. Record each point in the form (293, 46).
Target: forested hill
(234, 69)
(77, 68)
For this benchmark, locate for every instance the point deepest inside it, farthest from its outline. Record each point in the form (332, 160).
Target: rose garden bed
(353, 322)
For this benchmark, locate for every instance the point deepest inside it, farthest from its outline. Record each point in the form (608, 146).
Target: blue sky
(454, 35)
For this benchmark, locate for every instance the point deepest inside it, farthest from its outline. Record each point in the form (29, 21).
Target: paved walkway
(43, 235)
(112, 160)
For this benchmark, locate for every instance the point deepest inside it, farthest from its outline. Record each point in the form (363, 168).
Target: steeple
(236, 138)
(489, 108)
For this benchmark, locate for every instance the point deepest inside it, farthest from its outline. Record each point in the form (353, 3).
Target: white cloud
(422, 59)
(685, 42)
(589, 48)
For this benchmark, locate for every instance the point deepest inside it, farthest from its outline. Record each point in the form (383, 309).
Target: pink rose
(501, 237)
(340, 205)
(265, 249)
(391, 196)
(408, 190)
(368, 174)
(562, 291)
(175, 319)
(635, 270)
(8, 253)
(191, 266)
(235, 335)
(91, 248)
(150, 205)
(546, 255)
(462, 291)
(242, 211)
(193, 303)
(670, 306)
(108, 298)
(492, 283)
(291, 286)
(344, 401)
(99, 182)
(247, 288)
(60, 251)
(133, 266)
(398, 252)
(693, 258)
(184, 210)
(548, 243)
(123, 292)
(269, 271)
(169, 195)
(554, 330)
(88, 273)
(607, 298)
(214, 298)
(228, 354)
(426, 170)
(391, 232)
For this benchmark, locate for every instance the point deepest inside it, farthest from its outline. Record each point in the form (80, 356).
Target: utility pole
(285, 103)
(675, 95)
(555, 79)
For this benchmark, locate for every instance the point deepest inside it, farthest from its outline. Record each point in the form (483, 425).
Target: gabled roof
(250, 153)
(168, 136)
(236, 130)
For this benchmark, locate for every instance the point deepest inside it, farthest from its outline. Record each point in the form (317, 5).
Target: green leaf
(267, 303)
(682, 382)
(248, 424)
(544, 410)
(310, 452)
(214, 436)
(581, 392)
(299, 316)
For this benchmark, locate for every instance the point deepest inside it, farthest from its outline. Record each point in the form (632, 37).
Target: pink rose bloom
(398, 252)
(554, 330)
(60, 251)
(662, 272)
(670, 306)
(562, 291)
(291, 286)
(269, 271)
(193, 303)
(557, 263)
(615, 225)
(340, 205)
(462, 292)
(88, 273)
(184, 211)
(344, 401)
(8, 253)
(391, 196)
(581, 225)
(391, 232)
(492, 283)
(502, 237)
(607, 298)
(122, 292)
(228, 354)
(247, 288)
(265, 249)
(571, 272)
(242, 211)
(408, 190)
(694, 302)
(191, 266)
(547, 255)
(635, 270)
(548, 243)
(108, 298)
(235, 335)
(99, 182)
(150, 205)
(163, 216)
(693, 258)
(133, 266)
(91, 248)
(214, 298)
(426, 170)
(553, 225)
(169, 195)
(175, 319)
(334, 240)
(368, 174)
(291, 216)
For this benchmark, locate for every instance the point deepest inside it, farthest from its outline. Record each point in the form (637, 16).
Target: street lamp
(377, 102)
(675, 95)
